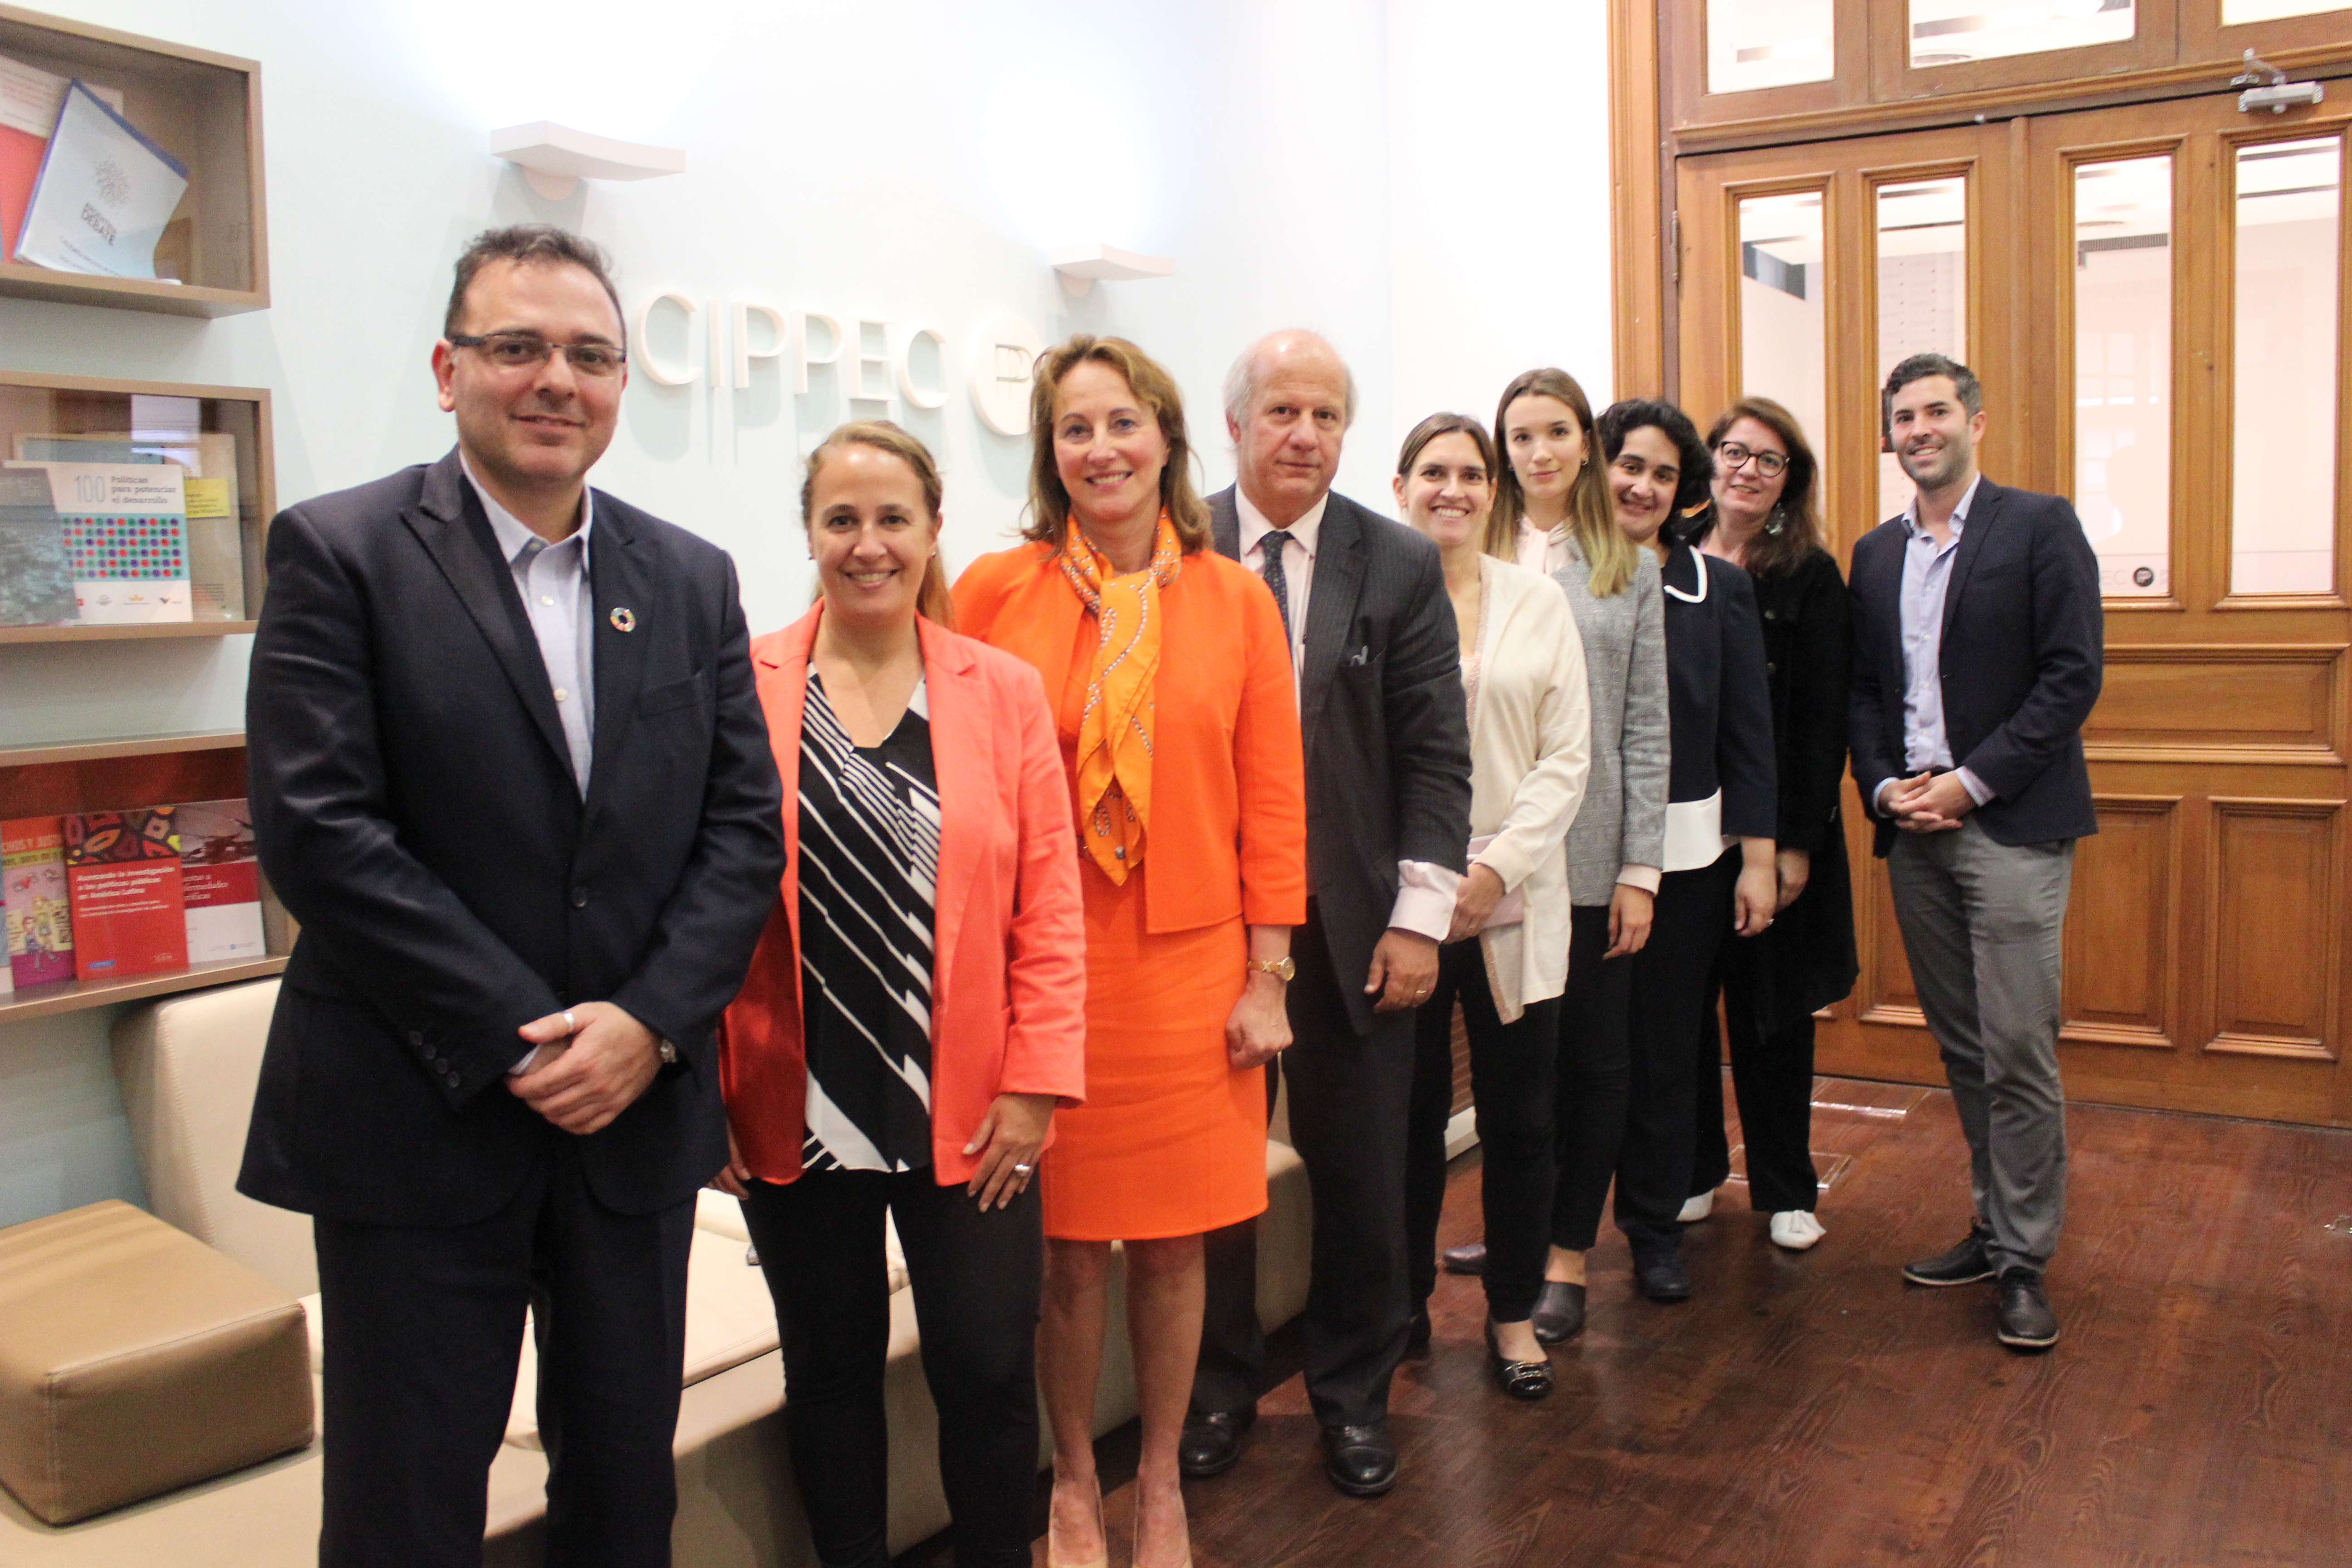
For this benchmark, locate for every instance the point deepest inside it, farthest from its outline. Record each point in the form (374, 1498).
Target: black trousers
(1691, 923)
(424, 1327)
(1589, 1116)
(976, 1279)
(1349, 1100)
(1772, 1080)
(1512, 1070)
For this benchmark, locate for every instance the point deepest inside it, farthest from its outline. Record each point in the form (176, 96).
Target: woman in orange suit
(913, 1016)
(1171, 683)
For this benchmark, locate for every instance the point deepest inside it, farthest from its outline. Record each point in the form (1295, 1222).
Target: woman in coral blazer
(914, 1015)
(1170, 682)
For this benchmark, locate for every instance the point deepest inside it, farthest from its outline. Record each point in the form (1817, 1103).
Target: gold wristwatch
(1280, 968)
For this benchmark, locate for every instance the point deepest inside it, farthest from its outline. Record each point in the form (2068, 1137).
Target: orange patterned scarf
(1114, 762)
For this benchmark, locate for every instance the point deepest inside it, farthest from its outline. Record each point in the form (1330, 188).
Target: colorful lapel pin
(624, 619)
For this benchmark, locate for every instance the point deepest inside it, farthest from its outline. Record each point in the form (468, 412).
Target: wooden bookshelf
(204, 108)
(117, 774)
(125, 634)
(72, 996)
(42, 404)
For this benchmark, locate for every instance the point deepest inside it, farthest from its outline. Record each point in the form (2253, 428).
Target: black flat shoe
(1559, 1313)
(1213, 1443)
(1660, 1275)
(1360, 1460)
(1470, 1257)
(2025, 1322)
(1519, 1379)
(1417, 1333)
(1963, 1264)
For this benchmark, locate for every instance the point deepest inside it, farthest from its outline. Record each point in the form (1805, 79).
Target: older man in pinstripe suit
(1388, 828)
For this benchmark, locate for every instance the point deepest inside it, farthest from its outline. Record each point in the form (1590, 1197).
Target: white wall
(913, 161)
(1498, 201)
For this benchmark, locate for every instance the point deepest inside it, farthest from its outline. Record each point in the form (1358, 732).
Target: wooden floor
(1814, 1410)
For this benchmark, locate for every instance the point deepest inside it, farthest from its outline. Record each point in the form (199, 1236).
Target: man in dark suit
(1388, 830)
(509, 773)
(1976, 661)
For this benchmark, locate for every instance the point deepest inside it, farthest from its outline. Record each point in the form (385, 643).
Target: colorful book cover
(126, 538)
(122, 873)
(30, 101)
(220, 881)
(36, 572)
(40, 921)
(216, 543)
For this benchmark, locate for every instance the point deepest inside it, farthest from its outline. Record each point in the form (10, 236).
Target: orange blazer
(1228, 835)
(1009, 964)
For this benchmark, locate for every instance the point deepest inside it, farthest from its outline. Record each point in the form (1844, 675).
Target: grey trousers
(1980, 924)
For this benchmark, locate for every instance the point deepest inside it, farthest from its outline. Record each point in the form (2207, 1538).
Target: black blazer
(414, 806)
(2022, 646)
(1809, 951)
(1718, 713)
(1386, 728)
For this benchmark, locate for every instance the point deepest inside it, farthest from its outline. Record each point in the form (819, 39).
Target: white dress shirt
(1926, 581)
(553, 582)
(1425, 890)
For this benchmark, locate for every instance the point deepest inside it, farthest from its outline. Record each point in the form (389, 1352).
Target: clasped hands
(593, 1061)
(1928, 803)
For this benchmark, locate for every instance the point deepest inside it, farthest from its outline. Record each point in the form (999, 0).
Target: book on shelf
(220, 881)
(36, 572)
(104, 192)
(122, 873)
(208, 480)
(30, 101)
(126, 540)
(40, 919)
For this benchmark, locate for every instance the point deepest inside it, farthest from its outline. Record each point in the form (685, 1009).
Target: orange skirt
(1170, 1141)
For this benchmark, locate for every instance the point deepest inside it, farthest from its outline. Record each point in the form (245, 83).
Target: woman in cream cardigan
(1506, 957)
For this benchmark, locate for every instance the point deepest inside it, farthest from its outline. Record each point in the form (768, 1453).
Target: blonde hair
(1591, 520)
(932, 600)
(1049, 500)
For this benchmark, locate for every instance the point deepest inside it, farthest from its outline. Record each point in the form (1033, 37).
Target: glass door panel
(1783, 299)
(2122, 370)
(2283, 457)
(2235, 12)
(1922, 248)
(1768, 43)
(1952, 32)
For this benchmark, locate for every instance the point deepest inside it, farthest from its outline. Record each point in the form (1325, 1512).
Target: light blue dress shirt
(1926, 579)
(553, 582)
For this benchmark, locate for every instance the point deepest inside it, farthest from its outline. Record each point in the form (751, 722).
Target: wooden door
(2155, 299)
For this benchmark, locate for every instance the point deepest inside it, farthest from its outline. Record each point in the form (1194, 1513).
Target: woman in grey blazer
(1616, 842)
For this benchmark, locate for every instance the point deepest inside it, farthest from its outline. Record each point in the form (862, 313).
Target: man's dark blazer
(414, 806)
(1381, 706)
(2022, 645)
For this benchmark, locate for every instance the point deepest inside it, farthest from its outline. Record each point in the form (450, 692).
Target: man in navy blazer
(509, 771)
(1977, 661)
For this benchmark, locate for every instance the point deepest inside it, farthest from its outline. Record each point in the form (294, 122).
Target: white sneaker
(1796, 1229)
(1698, 1208)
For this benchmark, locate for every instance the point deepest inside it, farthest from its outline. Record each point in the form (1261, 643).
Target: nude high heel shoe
(1054, 1559)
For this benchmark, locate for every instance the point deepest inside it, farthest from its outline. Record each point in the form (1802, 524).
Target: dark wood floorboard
(1810, 1409)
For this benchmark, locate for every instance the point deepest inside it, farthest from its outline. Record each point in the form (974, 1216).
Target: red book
(123, 870)
(220, 878)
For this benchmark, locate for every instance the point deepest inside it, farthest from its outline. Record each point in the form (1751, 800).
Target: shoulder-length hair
(932, 601)
(1798, 533)
(1049, 502)
(1592, 519)
(1437, 425)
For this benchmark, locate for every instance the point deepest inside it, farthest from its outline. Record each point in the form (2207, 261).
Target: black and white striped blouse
(869, 836)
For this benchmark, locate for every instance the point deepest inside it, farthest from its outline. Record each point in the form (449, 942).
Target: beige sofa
(188, 1065)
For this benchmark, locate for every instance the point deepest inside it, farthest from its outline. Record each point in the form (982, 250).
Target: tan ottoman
(134, 1359)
